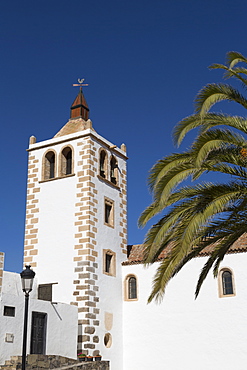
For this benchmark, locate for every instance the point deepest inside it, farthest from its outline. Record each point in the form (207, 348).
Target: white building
(57, 321)
(75, 240)
(181, 332)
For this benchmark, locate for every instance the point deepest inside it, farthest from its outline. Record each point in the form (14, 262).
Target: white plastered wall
(184, 333)
(61, 331)
(56, 229)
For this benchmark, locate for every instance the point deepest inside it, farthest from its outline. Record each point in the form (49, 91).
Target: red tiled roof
(136, 255)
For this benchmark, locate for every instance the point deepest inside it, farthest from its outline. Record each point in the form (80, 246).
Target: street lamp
(27, 277)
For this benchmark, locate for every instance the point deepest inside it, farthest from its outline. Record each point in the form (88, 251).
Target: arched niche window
(130, 288)
(103, 163)
(49, 165)
(66, 161)
(114, 170)
(226, 283)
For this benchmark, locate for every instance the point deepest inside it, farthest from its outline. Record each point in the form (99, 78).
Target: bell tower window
(66, 161)
(114, 170)
(49, 165)
(103, 164)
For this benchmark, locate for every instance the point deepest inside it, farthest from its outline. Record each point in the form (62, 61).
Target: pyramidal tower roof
(79, 108)
(79, 115)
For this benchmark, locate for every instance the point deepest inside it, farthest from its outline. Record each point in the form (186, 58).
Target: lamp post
(27, 277)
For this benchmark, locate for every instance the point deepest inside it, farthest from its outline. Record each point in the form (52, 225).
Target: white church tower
(76, 228)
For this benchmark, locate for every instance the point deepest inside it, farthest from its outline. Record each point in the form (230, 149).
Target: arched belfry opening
(66, 161)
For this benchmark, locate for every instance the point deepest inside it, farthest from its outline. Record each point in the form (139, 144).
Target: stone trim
(1, 270)
(57, 178)
(123, 211)
(86, 289)
(32, 208)
(108, 182)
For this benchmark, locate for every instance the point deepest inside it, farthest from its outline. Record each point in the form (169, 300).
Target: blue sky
(144, 62)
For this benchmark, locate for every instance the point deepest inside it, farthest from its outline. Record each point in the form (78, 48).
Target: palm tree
(197, 215)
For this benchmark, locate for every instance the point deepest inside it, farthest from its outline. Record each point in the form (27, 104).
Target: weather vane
(80, 80)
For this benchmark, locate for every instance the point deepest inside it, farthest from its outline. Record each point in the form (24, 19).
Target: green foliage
(197, 216)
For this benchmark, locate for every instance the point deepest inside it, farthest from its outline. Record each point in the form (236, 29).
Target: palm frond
(215, 139)
(233, 58)
(163, 166)
(206, 214)
(231, 72)
(214, 93)
(209, 121)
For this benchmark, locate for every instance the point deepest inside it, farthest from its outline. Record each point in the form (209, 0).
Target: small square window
(9, 338)
(9, 311)
(109, 212)
(45, 292)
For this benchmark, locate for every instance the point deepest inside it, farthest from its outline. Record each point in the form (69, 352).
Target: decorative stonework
(87, 250)
(86, 290)
(1, 270)
(54, 362)
(108, 320)
(32, 209)
(123, 212)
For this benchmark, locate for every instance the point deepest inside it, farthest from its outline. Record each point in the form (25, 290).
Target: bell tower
(76, 230)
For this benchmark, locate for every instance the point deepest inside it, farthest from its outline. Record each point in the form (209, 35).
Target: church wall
(184, 333)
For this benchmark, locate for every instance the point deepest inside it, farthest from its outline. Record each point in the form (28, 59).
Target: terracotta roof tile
(136, 252)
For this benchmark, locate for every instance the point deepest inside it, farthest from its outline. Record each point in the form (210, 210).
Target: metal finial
(80, 80)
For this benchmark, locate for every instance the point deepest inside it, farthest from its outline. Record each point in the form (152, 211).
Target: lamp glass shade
(27, 277)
